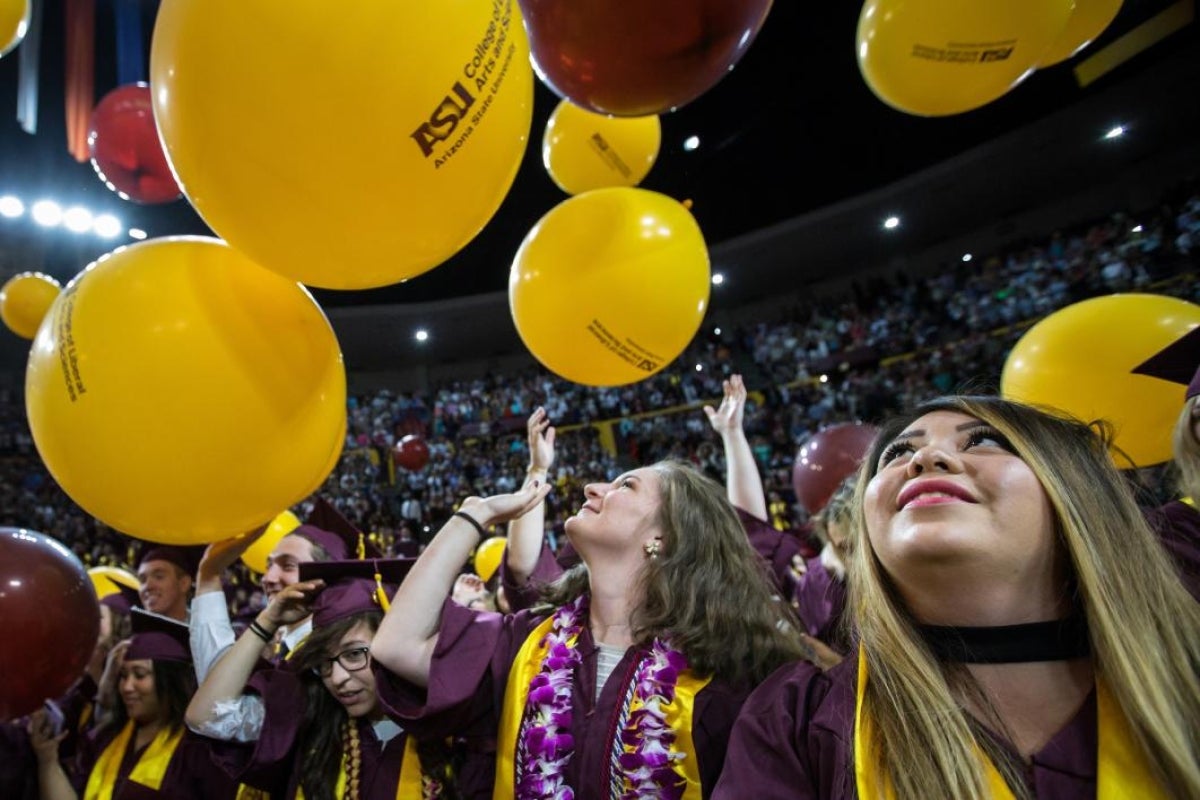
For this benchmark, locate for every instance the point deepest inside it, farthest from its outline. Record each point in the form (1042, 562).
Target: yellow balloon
(583, 150)
(256, 554)
(107, 580)
(14, 22)
(1089, 19)
(939, 57)
(488, 555)
(345, 145)
(1080, 359)
(183, 394)
(610, 286)
(24, 301)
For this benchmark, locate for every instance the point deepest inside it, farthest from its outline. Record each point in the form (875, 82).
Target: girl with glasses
(323, 733)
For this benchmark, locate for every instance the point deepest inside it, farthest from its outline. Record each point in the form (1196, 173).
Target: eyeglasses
(352, 660)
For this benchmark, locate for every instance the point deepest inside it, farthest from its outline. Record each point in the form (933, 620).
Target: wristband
(474, 523)
(261, 632)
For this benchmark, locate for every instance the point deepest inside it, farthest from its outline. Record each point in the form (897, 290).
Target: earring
(653, 548)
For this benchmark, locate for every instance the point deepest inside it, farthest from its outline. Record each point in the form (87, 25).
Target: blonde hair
(1187, 451)
(1144, 627)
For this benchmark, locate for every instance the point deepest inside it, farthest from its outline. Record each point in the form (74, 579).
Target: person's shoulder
(807, 693)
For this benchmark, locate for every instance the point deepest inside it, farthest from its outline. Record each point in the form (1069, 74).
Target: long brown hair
(174, 685)
(1143, 625)
(708, 592)
(324, 728)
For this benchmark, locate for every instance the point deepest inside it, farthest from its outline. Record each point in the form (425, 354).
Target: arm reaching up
(743, 485)
(408, 634)
(226, 680)
(525, 533)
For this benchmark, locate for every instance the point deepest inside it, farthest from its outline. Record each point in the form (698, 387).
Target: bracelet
(529, 470)
(261, 632)
(474, 523)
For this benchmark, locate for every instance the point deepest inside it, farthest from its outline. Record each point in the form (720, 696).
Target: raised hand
(504, 507)
(220, 556)
(293, 603)
(541, 441)
(727, 418)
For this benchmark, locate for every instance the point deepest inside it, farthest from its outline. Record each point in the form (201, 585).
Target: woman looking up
(1023, 632)
(626, 681)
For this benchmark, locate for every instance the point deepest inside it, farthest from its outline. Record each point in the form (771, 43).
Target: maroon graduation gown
(820, 600)
(18, 765)
(795, 740)
(190, 775)
(272, 763)
(469, 673)
(1178, 527)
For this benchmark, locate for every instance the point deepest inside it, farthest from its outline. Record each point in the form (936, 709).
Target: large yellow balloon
(1080, 359)
(256, 554)
(610, 286)
(939, 57)
(107, 580)
(583, 150)
(1089, 19)
(344, 145)
(24, 301)
(183, 394)
(14, 22)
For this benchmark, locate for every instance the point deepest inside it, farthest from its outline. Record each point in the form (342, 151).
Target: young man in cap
(165, 577)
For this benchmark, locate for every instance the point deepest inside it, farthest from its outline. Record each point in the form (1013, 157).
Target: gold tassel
(380, 595)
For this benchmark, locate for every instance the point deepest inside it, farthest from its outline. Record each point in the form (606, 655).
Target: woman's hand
(541, 441)
(43, 736)
(292, 604)
(106, 689)
(727, 418)
(501, 508)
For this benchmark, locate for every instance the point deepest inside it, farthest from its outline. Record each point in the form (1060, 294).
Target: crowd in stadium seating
(827, 360)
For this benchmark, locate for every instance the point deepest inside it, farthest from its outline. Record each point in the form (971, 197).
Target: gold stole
(148, 771)
(528, 664)
(1123, 770)
(411, 783)
(410, 786)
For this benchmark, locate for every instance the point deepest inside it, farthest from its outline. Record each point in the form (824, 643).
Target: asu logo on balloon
(444, 119)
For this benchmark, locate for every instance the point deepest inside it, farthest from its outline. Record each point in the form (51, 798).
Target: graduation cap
(187, 558)
(1178, 362)
(123, 600)
(352, 587)
(326, 527)
(158, 638)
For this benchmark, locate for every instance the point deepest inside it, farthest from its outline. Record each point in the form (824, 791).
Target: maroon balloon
(51, 620)
(411, 452)
(126, 151)
(635, 58)
(827, 459)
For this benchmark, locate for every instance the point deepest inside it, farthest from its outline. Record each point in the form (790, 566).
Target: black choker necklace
(1057, 640)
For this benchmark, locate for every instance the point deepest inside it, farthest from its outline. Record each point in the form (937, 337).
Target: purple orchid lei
(545, 744)
(644, 763)
(642, 757)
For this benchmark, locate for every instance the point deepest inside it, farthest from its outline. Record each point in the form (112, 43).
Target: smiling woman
(143, 749)
(1014, 609)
